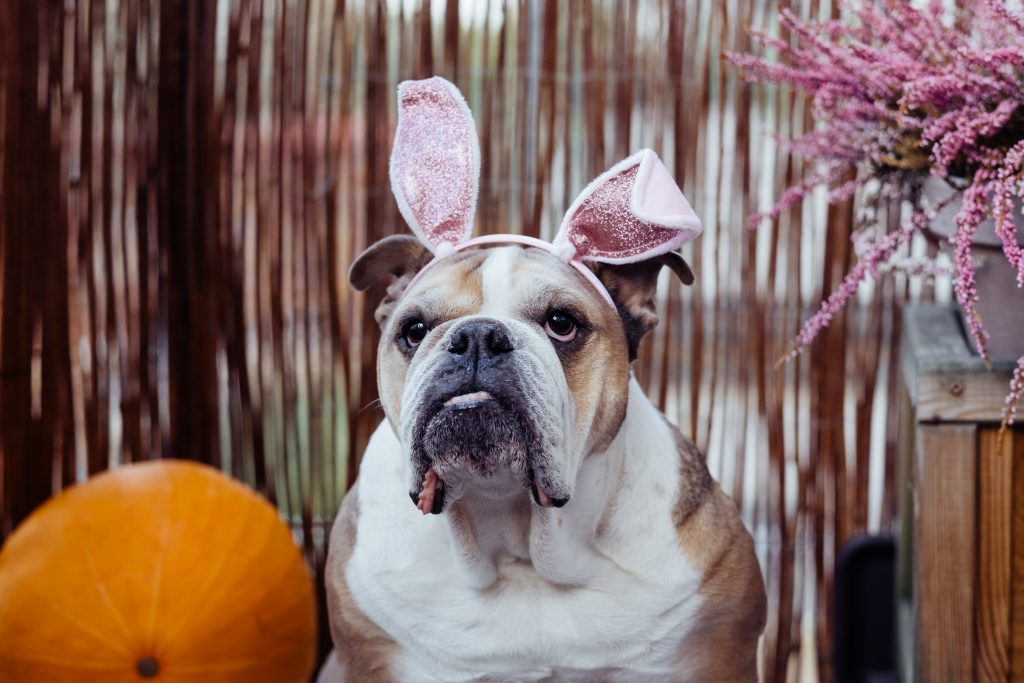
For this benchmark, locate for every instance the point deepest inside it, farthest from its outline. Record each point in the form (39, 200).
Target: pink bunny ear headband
(632, 212)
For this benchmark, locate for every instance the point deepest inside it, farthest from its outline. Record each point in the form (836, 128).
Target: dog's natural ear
(632, 286)
(390, 263)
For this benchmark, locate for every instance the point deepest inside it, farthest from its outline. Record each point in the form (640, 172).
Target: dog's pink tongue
(426, 499)
(545, 499)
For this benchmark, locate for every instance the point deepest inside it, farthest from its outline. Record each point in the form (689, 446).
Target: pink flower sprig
(922, 266)
(1006, 187)
(972, 212)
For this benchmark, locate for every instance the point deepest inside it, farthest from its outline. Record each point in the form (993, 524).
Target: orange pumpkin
(166, 571)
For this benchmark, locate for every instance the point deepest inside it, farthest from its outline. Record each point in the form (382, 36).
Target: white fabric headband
(631, 212)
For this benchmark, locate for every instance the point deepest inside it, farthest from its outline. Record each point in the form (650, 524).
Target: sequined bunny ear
(632, 212)
(435, 163)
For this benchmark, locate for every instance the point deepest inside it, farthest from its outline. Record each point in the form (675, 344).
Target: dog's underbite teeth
(543, 499)
(431, 496)
(468, 400)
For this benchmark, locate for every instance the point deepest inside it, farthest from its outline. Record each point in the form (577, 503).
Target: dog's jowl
(525, 513)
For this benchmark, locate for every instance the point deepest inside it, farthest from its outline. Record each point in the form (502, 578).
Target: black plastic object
(864, 633)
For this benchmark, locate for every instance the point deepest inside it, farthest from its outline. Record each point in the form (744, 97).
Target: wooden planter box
(960, 590)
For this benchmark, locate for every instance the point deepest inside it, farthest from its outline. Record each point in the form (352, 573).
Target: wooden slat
(944, 514)
(995, 524)
(904, 554)
(962, 397)
(1017, 581)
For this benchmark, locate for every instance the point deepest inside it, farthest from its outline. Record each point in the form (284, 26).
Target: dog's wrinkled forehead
(505, 281)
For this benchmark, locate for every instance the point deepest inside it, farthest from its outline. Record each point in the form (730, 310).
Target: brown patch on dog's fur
(363, 650)
(598, 372)
(711, 534)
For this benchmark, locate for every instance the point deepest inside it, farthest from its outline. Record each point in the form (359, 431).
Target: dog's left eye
(561, 326)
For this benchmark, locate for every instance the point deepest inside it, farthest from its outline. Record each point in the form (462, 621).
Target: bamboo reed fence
(184, 184)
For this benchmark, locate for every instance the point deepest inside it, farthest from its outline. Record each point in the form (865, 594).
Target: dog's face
(502, 368)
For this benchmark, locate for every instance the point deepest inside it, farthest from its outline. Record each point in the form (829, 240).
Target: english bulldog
(559, 527)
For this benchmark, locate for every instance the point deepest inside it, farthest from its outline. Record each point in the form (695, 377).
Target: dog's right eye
(561, 325)
(413, 332)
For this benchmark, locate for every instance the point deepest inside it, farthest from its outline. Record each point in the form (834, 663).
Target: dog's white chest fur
(631, 604)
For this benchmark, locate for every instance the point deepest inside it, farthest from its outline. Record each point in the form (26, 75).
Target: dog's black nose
(479, 339)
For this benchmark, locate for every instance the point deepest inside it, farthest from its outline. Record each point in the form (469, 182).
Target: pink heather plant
(899, 92)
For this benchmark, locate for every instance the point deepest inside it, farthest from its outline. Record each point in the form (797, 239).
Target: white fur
(496, 279)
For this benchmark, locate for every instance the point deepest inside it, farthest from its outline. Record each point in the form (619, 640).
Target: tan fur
(598, 374)
(363, 650)
(712, 536)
